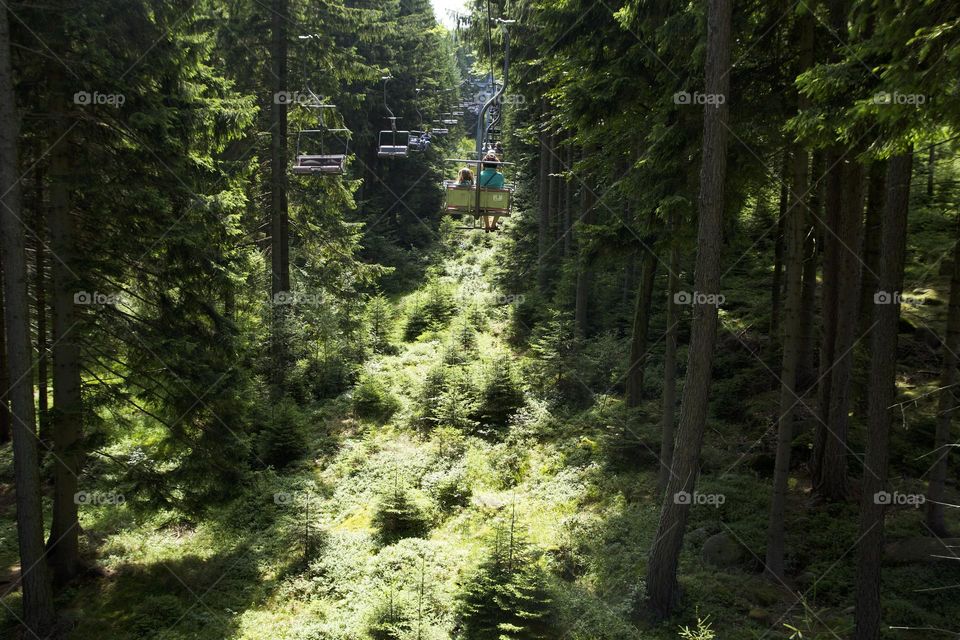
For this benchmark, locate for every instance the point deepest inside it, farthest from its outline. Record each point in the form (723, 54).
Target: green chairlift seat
(463, 199)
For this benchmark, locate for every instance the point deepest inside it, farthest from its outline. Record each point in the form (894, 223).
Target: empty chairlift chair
(322, 152)
(393, 144)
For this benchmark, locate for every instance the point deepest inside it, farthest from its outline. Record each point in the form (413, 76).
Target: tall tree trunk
(40, 286)
(776, 287)
(568, 205)
(665, 550)
(871, 242)
(279, 220)
(543, 204)
(553, 190)
(828, 305)
(883, 393)
(811, 254)
(833, 471)
(38, 611)
(795, 226)
(667, 420)
(949, 379)
(63, 545)
(5, 418)
(636, 364)
(588, 202)
(629, 279)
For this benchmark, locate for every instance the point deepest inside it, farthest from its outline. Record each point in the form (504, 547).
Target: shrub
(390, 617)
(462, 344)
(500, 397)
(372, 400)
(449, 488)
(283, 437)
(379, 321)
(431, 311)
(506, 598)
(398, 514)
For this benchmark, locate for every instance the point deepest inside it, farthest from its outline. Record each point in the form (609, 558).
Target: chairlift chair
(393, 144)
(463, 199)
(474, 200)
(330, 157)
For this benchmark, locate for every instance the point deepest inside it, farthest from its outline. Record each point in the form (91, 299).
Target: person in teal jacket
(492, 179)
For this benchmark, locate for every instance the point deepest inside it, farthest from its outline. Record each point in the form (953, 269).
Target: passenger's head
(490, 161)
(465, 175)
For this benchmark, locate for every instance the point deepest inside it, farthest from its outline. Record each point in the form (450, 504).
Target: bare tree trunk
(667, 420)
(40, 286)
(553, 193)
(795, 225)
(38, 611)
(871, 241)
(665, 550)
(63, 545)
(833, 472)
(543, 203)
(947, 405)
(279, 218)
(883, 393)
(636, 365)
(828, 305)
(568, 205)
(5, 417)
(584, 262)
(776, 287)
(812, 246)
(794, 244)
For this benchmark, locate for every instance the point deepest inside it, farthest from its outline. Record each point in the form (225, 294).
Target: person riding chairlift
(491, 178)
(465, 178)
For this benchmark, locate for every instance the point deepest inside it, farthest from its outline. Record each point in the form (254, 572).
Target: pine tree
(506, 596)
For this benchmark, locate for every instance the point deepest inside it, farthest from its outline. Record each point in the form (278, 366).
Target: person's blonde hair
(465, 175)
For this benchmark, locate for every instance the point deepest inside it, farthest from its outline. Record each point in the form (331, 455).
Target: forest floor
(323, 549)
